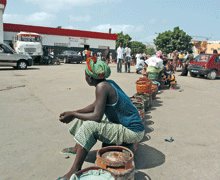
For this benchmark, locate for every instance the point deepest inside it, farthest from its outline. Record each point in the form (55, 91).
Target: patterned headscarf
(97, 69)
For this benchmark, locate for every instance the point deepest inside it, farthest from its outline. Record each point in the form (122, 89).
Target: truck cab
(29, 43)
(205, 65)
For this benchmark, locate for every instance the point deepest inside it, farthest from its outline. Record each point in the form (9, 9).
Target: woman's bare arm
(96, 109)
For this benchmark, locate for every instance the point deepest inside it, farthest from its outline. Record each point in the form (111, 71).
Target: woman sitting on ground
(124, 124)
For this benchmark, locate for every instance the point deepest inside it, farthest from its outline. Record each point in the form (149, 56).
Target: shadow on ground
(12, 69)
(139, 175)
(147, 157)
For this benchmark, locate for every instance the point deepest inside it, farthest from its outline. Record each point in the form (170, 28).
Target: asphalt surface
(183, 128)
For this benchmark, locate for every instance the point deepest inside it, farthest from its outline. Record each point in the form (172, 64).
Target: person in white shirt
(139, 63)
(120, 57)
(127, 59)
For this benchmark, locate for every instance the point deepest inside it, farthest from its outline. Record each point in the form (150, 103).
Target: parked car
(8, 57)
(69, 56)
(205, 65)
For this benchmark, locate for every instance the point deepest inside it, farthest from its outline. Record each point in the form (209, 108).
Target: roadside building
(60, 38)
(213, 45)
(2, 8)
(205, 46)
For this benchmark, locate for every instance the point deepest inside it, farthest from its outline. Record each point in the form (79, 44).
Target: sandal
(68, 151)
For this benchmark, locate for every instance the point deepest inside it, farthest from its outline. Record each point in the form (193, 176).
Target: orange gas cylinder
(118, 160)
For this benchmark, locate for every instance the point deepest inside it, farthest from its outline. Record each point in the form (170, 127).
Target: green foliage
(124, 39)
(150, 51)
(170, 41)
(137, 47)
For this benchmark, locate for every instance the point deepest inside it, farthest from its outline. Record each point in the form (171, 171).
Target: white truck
(29, 43)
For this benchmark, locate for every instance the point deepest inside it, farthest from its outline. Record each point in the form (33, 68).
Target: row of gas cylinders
(112, 163)
(146, 91)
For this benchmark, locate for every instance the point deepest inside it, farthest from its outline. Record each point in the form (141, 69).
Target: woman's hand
(67, 117)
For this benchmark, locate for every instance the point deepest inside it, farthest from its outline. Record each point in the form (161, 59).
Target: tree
(124, 39)
(150, 51)
(170, 41)
(137, 47)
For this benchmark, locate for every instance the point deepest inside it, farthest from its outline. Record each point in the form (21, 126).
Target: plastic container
(93, 173)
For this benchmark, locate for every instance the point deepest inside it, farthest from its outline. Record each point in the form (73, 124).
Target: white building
(59, 38)
(2, 7)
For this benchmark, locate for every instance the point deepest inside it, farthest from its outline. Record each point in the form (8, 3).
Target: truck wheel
(192, 74)
(21, 65)
(212, 75)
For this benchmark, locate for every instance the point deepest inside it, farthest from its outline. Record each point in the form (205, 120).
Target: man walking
(120, 54)
(127, 59)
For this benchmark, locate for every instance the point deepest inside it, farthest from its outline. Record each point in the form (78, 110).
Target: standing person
(124, 123)
(107, 55)
(88, 53)
(127, 59)
(181, 59)
(120, 56)
(188, 57)
(175, 59)
(84, 54)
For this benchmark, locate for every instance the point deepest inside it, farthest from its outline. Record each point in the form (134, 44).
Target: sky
(141, 19)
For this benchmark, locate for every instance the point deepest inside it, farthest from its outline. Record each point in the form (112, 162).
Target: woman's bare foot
(68, 175)
(69, 150)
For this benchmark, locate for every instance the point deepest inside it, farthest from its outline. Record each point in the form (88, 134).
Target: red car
(205, 65)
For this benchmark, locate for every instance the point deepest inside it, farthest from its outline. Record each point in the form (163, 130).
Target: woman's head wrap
(97, 69)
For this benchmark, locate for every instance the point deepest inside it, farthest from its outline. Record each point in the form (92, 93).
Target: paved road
(31, 135)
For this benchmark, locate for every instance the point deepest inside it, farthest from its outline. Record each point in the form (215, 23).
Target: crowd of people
(178, 60)
(159, 67)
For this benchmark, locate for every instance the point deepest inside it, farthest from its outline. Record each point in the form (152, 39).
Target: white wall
(1, 23)
(53, 40)
(67, 41)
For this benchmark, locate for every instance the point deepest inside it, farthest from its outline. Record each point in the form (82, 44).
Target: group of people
(123, 56)
(157, 68)
(106, 55)
(180, 60)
